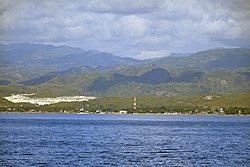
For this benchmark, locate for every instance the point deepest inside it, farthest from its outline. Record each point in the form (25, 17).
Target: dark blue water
(123, 140)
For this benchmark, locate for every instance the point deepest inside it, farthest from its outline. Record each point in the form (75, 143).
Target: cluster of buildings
(25, 98)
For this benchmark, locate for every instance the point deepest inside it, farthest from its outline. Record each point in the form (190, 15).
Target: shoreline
(115, 113)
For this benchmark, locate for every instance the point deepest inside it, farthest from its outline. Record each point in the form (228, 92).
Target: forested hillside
(60, 70)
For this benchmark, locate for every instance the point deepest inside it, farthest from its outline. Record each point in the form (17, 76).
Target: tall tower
(134, 103)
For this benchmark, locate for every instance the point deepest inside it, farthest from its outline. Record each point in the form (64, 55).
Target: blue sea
(123, 140)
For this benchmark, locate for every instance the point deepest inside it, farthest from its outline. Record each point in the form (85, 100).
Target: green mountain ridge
(210, 59)
(153, 82)
(211, 71)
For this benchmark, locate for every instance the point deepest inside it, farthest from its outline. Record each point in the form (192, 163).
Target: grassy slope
(232, 103)
(227, 100)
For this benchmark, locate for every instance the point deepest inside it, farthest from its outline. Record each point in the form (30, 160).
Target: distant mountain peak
(180, 54)
(59, 57)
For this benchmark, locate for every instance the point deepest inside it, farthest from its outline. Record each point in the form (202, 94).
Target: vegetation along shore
(226, 104)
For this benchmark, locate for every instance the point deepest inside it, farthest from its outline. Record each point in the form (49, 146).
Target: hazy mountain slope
(230, 59)
(47, 77)
(41, 51)
(210, 71)
(89, 58)
(58, 57)
(210, 59)
(21, 62)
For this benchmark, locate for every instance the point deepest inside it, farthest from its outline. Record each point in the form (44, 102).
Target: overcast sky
(132, 28)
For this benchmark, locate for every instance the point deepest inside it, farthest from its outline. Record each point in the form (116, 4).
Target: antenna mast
(134, 103)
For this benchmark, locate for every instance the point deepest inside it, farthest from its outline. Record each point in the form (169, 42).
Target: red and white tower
(134, 103)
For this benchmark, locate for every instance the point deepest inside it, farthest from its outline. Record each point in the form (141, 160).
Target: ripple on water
(108, 140)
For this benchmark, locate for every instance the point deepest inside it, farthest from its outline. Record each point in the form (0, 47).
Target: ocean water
(123, 140)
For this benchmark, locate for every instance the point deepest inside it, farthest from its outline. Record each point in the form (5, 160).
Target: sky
(140, 29)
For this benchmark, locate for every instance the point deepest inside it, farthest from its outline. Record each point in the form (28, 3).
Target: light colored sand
(24, 98)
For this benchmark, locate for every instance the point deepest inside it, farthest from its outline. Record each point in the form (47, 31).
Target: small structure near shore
(123, 112)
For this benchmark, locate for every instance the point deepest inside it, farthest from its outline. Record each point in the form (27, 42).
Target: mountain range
(58, 57)
(62, 70)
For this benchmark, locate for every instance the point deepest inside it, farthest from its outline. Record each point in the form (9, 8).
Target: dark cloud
(137, 28)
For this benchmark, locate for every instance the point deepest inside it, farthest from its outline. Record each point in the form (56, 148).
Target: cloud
(146, 54)
(136, 28)
(123, 7)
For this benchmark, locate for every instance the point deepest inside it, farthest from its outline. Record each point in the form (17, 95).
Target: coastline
(117, 113)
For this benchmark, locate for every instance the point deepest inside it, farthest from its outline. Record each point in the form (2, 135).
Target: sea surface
(123, 140)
